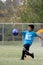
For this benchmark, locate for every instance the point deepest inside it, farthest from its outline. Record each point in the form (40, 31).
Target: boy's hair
(32, 26)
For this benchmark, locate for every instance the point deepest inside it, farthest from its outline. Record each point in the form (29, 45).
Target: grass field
(11, 52)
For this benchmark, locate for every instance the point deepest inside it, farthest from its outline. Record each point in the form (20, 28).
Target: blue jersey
(28, 36)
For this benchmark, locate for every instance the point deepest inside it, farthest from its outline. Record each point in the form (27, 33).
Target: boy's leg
(29, 54)
(24, 51)
(27, 51)
(23, 54)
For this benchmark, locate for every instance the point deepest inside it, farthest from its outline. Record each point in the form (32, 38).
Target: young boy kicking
(29, 36)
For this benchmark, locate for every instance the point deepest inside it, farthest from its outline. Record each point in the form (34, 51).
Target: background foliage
(21, 11)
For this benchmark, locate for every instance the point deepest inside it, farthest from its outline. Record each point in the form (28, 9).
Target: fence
(6, 31)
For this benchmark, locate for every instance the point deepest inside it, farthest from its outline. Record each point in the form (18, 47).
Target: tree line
(21, 11)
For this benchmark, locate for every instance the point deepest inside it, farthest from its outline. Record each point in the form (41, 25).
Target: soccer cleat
(32, 55)
(22, 59)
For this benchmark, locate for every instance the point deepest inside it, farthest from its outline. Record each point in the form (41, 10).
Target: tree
(22, 11)
(34, 11)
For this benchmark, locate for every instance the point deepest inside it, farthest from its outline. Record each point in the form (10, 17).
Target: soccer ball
(15, 32)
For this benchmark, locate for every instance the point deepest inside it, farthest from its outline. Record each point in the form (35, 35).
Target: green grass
(10, 54)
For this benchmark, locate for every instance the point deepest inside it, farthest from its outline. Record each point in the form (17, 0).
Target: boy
(29, 36)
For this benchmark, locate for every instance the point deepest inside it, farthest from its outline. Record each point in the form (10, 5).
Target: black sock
(23, 54)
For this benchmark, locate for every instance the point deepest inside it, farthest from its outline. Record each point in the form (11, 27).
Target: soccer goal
(6, 31)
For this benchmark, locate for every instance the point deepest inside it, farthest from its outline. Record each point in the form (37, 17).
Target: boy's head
(30, 27)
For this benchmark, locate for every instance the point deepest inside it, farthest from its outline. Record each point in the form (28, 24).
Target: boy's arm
(23, 32)
(40, 37)
(36, 35)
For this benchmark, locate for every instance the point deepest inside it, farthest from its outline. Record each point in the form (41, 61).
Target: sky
(3, 1)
